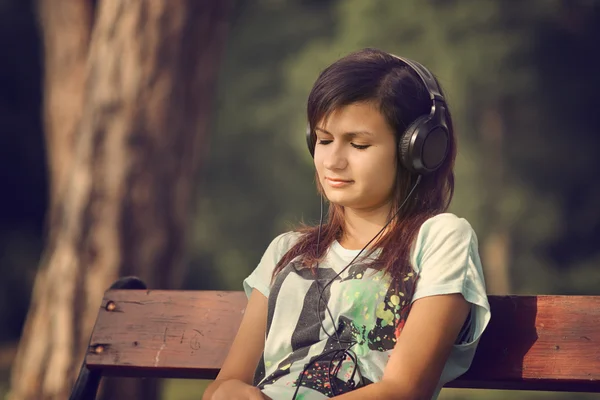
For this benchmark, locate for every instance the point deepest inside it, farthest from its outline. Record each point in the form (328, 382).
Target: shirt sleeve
(260, 278)
(446, 256)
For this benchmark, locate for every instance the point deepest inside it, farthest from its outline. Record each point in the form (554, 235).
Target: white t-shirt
(367, 313)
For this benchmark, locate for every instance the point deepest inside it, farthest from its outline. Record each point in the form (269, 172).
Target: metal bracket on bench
(86, 386)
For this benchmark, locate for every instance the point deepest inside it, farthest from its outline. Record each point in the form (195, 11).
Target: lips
(337, 179)
(336, 182)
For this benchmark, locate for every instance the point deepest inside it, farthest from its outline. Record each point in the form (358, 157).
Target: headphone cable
(347, 352)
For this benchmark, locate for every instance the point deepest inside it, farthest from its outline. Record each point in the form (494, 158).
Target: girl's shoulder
(285, 241)
(447, 221)
(444, 233)
(260, 278)
(445, 224)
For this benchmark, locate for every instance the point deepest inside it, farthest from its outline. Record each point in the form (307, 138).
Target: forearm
(210, 389)
(382, 390)
(228, 388)
(214, 385)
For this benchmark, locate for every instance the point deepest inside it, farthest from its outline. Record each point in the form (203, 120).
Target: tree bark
(66, 27)
(149, 80)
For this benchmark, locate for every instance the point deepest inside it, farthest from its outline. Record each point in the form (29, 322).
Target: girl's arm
(245, 352)
(414, 368)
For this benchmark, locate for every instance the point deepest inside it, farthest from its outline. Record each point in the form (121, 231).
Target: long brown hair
(371, 75)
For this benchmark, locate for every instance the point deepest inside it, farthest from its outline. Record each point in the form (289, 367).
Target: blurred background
(521, 79)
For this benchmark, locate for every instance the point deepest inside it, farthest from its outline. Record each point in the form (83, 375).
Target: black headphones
(423, 146)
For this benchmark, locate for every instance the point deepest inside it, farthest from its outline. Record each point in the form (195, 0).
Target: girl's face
(355, 158)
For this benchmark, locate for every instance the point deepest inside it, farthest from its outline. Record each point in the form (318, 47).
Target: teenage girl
(386, 298)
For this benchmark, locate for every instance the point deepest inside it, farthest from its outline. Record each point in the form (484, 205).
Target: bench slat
(539, 343)
(532, 342)
(179, 334)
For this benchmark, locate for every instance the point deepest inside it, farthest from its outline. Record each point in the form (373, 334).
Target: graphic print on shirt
(388, 306)
(368, 313)
(307, 329)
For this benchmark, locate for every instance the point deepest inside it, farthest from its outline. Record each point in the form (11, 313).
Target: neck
(360, 226)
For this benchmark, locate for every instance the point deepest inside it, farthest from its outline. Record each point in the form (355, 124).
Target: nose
(334, 157)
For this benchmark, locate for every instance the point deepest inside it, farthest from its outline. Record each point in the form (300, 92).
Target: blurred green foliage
(529, 63)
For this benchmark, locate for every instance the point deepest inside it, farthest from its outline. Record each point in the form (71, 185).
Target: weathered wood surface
(184, 334)
(532, 342)
(539, 343)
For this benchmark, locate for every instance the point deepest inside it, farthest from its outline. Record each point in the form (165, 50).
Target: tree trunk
(150, 76)
(66, 27)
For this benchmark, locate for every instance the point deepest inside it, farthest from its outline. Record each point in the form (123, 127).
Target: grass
(189, 389)
(481, 394)
(184, 389)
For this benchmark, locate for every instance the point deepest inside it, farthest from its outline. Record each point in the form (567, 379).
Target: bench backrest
(532, 342)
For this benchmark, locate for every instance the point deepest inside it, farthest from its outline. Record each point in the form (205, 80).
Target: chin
(342, 201)
(352, 202)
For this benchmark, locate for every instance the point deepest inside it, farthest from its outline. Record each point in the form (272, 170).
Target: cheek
(385, 173)
(316, 162)
(384, 164)
(386, 180)
(318, 157)
(318, 169)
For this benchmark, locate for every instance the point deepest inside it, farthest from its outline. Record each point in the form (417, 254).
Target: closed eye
(356, 146)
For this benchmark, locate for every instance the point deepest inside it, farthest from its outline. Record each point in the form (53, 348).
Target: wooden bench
(532, 343)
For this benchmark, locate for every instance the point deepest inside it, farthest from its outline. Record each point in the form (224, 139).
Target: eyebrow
(348, 134)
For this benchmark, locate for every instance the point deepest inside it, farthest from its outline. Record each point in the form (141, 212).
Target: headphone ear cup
(406, 143)
(424, 145)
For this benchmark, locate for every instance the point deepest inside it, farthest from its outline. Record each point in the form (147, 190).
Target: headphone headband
(426, 77)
